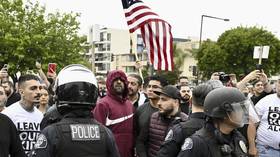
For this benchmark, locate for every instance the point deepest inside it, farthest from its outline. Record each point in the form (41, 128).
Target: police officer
(196, 120)
(226, 109)
(77, 134)
(51, 116)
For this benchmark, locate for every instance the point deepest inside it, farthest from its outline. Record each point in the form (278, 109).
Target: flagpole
(136, 57)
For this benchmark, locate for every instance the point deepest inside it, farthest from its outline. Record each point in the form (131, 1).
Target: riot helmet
(229, 102)
(75, 87)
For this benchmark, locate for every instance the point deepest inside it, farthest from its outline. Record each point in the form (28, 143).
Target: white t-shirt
(27, 124)
(268, 132)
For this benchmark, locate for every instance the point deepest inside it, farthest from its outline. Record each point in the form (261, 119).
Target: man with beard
(3, 98)
(153, 134)
(134, 86)
(177, 134)
(115, 111)
(24, 113)
(144, 112)
(12, 95)
(186, 93)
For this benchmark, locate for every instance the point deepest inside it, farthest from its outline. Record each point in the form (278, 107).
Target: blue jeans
(267, 151)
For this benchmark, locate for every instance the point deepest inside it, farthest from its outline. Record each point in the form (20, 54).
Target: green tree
(233, 52)
(28, 34)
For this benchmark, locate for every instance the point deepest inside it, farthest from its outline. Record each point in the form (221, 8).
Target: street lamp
(213, 17)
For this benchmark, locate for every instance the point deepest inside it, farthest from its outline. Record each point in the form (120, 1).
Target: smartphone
(5, 67)
(52, 68)
(259, 67)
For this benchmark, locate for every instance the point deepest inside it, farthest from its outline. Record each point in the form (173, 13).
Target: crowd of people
(75, 113)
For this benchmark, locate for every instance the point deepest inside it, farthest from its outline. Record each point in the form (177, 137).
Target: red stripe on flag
(158, 39)
(157, 34)
(131, 30)
(164, 45)
(139, 17)
(171, 49)
(135, 10)
(151, 45)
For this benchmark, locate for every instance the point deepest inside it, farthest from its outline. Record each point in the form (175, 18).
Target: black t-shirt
(10, 143)
(15, 97)
(185, 107)
(256, 99)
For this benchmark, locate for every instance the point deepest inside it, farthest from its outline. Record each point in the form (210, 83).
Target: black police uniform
(76, 136)
(178, 133)
(209, 142)
(51, 116)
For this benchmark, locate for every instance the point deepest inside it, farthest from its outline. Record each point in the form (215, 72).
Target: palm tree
(179, 57)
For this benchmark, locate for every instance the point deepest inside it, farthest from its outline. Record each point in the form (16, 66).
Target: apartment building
(189, 68)
(117, 49)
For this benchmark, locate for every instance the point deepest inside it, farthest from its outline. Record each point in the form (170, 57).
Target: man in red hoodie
(115, 111)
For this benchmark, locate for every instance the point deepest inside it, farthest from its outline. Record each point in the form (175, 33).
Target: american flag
(155, 32)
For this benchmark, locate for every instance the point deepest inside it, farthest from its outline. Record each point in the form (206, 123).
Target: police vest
(81, 138)
(191, 126)
(236, 148)
(157, 131)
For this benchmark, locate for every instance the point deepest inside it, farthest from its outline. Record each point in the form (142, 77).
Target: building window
(108, 47)
(131, 58)
(101, 47)
(130, 69)
(102, 36)
(109, 37)
(195, 46)
(103, 67)
(140, 48)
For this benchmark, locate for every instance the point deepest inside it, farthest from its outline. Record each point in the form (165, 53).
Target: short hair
(179, 87)
(215, 83)
(199, 93)
(138, 77)
(100, 79)
(45, 88)
(10, 83)
(183, 77)
(22, 79)
(162, 80)
(254, 82)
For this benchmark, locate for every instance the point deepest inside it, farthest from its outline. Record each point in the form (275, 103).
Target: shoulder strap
(212, 145)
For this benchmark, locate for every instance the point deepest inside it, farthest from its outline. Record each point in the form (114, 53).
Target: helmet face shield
(75, 86)
(243, 113)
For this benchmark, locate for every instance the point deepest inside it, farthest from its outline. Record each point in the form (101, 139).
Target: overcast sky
(183, 15)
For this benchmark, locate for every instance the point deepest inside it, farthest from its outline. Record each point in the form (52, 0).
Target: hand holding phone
(259, 67)
(52, 68)
(38, 65)
(4, 71)
(5, 68)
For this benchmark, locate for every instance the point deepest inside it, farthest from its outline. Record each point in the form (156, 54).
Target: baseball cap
(170, 91)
